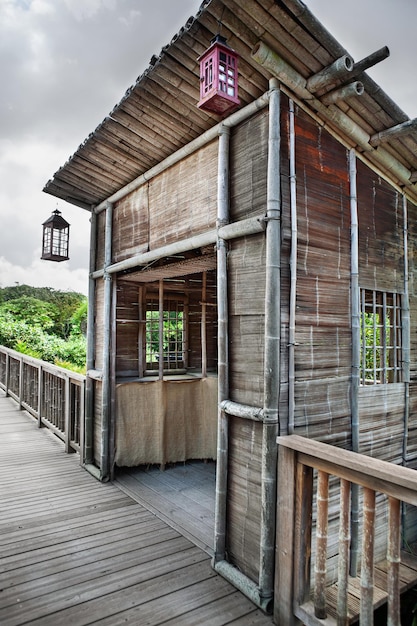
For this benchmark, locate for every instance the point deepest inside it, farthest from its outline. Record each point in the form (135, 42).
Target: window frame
(381, 337)
(171, 303)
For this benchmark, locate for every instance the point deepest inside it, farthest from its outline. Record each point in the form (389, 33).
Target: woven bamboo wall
(130, 225)
(248, 157)
(322, 327)
(183, 199)
(127, 328)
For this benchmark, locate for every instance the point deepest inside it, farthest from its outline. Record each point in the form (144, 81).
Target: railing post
(7, 380)
(40, 395)
(321, 545)
(367, 564)
(67, 414)
(344, 545)
(394, 560)
(20, 381)
(286, 511)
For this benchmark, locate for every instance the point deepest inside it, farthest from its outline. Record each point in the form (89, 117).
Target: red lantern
(218, 78)
(55, 239)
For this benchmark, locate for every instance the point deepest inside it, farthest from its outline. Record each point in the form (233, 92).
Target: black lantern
(55, 238)
(218, 78)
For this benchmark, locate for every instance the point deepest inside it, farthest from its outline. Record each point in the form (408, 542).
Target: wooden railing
(54, 395)
(304, 469)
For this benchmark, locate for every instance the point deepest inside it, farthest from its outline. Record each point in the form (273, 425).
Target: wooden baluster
(367, 565)
(321, 545)
(394, 559)
(344, 545)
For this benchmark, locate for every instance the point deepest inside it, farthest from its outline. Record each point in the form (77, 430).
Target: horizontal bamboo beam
(347, 91)
(330, 73)
(395, 132)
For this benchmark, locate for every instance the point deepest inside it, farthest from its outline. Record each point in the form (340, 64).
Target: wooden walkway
(183, 495)
(76, 551)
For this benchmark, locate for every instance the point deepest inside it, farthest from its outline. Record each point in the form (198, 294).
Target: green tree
(32, 311)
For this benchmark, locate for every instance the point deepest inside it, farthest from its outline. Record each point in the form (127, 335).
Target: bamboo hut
(252, 272)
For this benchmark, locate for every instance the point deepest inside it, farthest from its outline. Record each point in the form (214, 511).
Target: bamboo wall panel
(248, 160)
(130, 225)
(381, 242)
(127, 329)
(246, 262)
(183, 199)
(381, 411)
(244, 499)
(101, 231)
(98, 406)
(99, 324)
(412, 425)
(195, 322)
(322, 330)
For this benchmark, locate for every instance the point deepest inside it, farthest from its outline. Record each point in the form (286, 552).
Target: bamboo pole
(356, 135)
(89, 385)
(223, 349)
(272, 349)
(405, 313)
(321, 545)
(161, 330)
(204, 327)
(355, 378)
(293, 275)
(344, 545)
(394, 560)
(250, 226)
(367, 564)
(106, 384)
(327, 75)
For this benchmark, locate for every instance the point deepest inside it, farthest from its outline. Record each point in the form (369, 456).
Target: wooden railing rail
(54, 395)
(298, 601)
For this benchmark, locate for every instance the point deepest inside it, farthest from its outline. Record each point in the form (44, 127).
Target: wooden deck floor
(75, 551)
(183, 495)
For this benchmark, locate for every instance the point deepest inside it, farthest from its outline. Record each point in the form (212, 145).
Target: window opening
(173, 327)
(381, 337)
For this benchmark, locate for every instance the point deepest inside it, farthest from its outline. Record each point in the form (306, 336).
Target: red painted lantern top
(218, 78)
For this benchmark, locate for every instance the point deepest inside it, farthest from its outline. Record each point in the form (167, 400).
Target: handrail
(298, 600)
(54, 395)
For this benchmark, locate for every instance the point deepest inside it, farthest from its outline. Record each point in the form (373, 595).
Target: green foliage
(63, 303)
(32, 311)
(49, 327)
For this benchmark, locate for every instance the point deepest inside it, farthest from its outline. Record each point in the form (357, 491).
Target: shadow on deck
(76, 551)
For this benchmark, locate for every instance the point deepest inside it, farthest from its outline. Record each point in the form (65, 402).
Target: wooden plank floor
(183, 495)
(76, 551)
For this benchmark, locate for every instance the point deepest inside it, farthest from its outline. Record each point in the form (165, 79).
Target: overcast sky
(64, 64)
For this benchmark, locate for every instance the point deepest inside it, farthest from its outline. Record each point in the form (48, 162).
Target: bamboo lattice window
(172, 325)
(381, 337)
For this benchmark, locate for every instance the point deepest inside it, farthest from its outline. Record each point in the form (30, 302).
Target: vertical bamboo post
(343, 562)
(367, 564)
(161, 330)
(112, 379)
(141, 333)
(394, 560)
(222, 347)
(107, 321)
(356, 335)
(293, 274)
(21, 373)
(405, 313)
(321, 545)
(204, 327)
(272, 338)
(89, 386)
